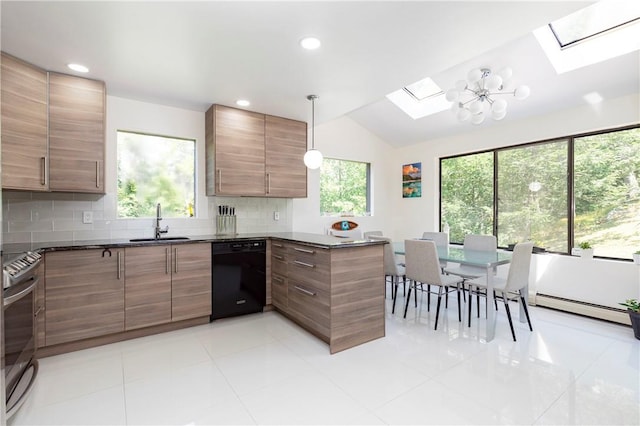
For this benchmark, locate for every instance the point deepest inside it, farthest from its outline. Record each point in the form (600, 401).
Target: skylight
(593, 20)
(588, 41)
(420, 99)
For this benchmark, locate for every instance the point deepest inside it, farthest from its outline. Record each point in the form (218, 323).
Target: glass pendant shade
(499, 105)
(475, 107)
(493, 82)
(452, 95)
(313, 159)
(522, 92)
(477, 118)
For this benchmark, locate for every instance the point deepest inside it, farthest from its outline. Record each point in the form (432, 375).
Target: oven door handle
(29, 285)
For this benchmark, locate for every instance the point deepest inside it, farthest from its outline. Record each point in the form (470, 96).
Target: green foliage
(632, 304)
(344, 187)
(585, 245)
(155, 169)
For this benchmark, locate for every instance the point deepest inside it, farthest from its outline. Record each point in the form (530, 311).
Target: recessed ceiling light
(310, 43)
(243, 102)
(78, 67)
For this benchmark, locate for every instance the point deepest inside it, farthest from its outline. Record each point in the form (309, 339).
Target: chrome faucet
(159, 230)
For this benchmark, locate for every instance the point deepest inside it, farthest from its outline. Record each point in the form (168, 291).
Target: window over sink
(155, 169)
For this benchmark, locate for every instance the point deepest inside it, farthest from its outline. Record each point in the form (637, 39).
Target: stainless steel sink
(147, 240)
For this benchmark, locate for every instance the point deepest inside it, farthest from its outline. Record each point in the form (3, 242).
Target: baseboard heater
(583, 308)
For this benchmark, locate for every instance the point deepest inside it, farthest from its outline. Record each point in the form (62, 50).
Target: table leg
(491, 313)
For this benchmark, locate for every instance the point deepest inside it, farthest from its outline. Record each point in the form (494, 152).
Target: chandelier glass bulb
(313, 159)
(477, 96)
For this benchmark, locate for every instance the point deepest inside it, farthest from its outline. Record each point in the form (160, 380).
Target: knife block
(226, 224)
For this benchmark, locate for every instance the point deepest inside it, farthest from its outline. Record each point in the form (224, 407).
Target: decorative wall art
(412, 180)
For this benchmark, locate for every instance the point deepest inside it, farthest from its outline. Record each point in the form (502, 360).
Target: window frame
(570, 180)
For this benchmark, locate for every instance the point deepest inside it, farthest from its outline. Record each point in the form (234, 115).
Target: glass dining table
(488, 261)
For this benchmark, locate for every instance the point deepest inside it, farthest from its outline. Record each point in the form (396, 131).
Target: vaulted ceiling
(193, 54)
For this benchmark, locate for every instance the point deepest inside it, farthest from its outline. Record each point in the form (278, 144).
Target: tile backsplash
(51, 216)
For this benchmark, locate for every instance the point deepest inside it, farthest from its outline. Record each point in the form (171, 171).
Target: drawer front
(279, 291)
(309, 265)
(279, 248)
(279, 264)
(310, 305)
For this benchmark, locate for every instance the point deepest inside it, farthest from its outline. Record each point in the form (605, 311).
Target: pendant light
(313, 157)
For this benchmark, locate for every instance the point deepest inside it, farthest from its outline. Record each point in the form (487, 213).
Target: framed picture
(412, 180)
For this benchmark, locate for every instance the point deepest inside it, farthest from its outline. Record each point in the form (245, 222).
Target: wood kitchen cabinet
(285, 145)
(84, 294)
(76, 134)
(190, 281)
(24, 125)
(252, 154)
(335, 293)
(235, 152)
(147, 296)
(39, 309)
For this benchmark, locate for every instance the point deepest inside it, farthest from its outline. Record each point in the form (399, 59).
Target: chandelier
(474, 98)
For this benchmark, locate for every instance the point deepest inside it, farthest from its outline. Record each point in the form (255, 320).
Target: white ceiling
(193, 54)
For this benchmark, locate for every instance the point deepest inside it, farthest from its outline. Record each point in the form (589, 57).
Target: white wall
(38, 216)
(344, 139)
(606, 281)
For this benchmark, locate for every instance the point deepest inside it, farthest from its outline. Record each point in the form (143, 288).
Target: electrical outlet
(276, 215)
(87, 217)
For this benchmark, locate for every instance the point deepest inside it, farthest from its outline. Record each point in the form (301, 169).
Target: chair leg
(506, 308)
(415, 293)
(446, 298)
(406, 306)
(438, 306)
(459, 311)
(428, 297)
(526, 310)
(469, 306)
(495, 302)
(394, 292)
(478, 303)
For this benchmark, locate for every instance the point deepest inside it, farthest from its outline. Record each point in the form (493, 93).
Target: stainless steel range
(20, 280)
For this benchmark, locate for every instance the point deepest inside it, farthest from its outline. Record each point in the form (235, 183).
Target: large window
(155, 169)
(344, 188)
(535, 192)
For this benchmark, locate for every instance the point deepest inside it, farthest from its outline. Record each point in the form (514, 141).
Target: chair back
(390, 264)
(421, 260)
(370, 233)
(440, 238)
(480, 242)
(518, 276)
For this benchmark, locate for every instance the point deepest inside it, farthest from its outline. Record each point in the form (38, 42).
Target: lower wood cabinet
(95, 292)
(84, 294)
(147, 296)
(191, 281)
(337, 294)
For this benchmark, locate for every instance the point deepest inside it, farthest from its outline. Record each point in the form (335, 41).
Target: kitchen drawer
(310, 306)
(278, 247)
(279, 297)
(309, 254)
(278, 263)
(306, 271)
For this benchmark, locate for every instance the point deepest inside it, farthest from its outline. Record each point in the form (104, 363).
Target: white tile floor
(263, 369)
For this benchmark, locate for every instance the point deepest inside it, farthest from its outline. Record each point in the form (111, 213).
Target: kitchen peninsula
(333, 287)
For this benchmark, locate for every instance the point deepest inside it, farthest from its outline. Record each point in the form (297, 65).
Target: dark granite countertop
(316, 240)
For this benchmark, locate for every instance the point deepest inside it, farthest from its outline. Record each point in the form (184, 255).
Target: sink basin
(143, 240)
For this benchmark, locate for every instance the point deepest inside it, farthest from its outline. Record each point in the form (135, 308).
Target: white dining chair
(367, 234)
(423, 267)
(393, 270)
(475, 242)
(510, 288)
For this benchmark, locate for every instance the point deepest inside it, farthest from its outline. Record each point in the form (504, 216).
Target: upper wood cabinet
(285, 145)
(24, 125)
(252, 154)
(235, 152)
(76, 134)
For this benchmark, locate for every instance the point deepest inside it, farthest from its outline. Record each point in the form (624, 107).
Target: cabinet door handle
(308, 265)
(278, 257)
(278, 279)
(304, 250)
(97, 174)
(119, 264)
(305, 291)
(277, 245)
(43, 170)
(175, 260)
(219, 180)
(167, 266)
(268, 183)
(40, 309)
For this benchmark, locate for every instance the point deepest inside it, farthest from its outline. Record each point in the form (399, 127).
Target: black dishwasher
(238, 279)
